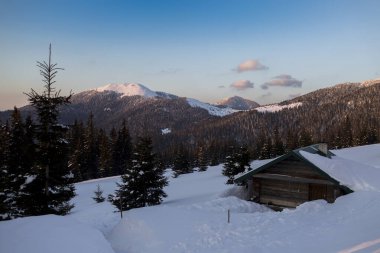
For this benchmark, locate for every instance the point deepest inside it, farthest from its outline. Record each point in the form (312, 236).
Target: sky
(266, 51)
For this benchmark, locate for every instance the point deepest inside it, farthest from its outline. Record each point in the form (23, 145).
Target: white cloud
(283, 81)
(242, 85)
(250, 65)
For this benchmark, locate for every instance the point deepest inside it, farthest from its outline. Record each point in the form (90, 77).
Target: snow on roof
(212, 110)
(277, 107)
(367, 154)
(354, 175)
(255, 165)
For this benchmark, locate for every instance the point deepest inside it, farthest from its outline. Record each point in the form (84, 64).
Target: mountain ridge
(238, 103)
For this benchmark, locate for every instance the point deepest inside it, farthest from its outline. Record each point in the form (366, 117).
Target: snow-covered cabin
(293, 179)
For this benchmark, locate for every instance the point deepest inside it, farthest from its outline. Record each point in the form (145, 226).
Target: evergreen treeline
(95, 154)
(342, 116)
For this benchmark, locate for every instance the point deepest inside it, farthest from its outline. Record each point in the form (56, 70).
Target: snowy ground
(194, 219)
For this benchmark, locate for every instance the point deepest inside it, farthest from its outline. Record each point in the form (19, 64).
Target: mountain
(134, 89)
(145, 110)
(238, 103)
(174, 121)
(136, 103)
(342, 113)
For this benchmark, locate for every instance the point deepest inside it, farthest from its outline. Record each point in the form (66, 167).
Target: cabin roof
(298, 153)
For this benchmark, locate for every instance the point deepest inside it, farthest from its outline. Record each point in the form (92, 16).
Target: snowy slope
(135, 89)
(129, 89)
(212, 110)
(277, 107)
(51, 233)
(193, 218)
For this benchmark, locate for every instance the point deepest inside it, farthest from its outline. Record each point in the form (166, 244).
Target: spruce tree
(305, 139)
(5, 207)
(265, 151)
(278, 146)
(229, 169)
(98, 195)
(151, 175)
(243, 160)
(90, 150)
(181, 164)
(236, 162)
(202, 159)
(77, 155)
(291, 141)
(50, 188)
(143, 183)
(121, 150)
(19, 161)
(15, 169)
(104, 154)
(347, 137)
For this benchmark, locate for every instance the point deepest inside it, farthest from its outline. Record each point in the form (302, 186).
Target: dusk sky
(267, 51)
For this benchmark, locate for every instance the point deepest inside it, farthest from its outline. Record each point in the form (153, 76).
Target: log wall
(297, 183)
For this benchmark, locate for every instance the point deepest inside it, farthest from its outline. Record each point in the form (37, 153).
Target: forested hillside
(344, 115)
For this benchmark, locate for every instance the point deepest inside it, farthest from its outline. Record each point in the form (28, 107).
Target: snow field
(50, 233)
(277, 107)
(212, 110)
(193, 218)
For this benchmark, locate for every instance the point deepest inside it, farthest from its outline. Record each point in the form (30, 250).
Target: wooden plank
(285, 190)
(317, 191)
(288, 188)
(292, 179)
(294, 171)
(270, 200)
(295, 168)
(285, 194)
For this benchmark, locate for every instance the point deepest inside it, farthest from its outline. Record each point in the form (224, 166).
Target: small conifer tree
(98, 195)
(142, 184)
(236, 162)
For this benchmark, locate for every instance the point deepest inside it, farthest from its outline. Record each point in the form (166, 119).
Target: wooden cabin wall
(294, 168)
(283, 193)
(291, 194)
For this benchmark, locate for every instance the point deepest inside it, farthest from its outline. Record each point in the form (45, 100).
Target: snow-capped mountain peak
(238, 103)
(370, 82)
(128, 89)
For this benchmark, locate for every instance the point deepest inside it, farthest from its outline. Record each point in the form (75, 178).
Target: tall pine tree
(5, 207)
(50, 188)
